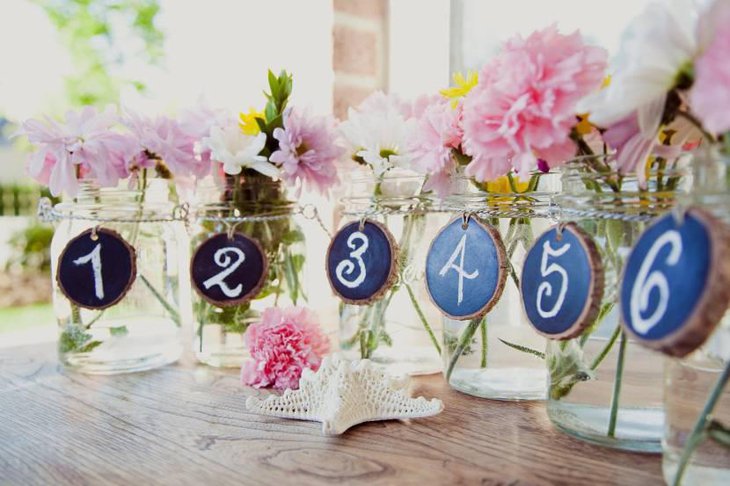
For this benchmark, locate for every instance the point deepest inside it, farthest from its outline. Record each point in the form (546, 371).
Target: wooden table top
(186, 424)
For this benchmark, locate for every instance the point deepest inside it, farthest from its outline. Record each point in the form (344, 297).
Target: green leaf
(719, 433)
(524, 349)
(118, 331)
(89, 347)
(75, 339)
(292, 236)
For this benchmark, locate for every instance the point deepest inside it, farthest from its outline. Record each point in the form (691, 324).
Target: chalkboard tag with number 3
(466, 268)
(562, 282)
(676, 282)
(228, 270)
(96, 269)
(362, 262)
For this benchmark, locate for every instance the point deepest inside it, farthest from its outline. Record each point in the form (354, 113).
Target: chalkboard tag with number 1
(676, 282)
(96, 269)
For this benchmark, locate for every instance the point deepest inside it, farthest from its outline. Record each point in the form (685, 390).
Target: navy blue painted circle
(464, 273)
(556, 283)
(665, 277)
(360, 262)
(95, 272)
(228, 271)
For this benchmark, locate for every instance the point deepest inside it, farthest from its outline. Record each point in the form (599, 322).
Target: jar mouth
(584, 166)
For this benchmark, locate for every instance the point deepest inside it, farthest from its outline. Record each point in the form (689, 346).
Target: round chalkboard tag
(228, 270)
(562, 282)
(466, 268)
(96, 269)
(362, 262)
(676, 282)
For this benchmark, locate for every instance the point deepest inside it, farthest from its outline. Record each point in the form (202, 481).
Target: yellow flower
(462, 86)
(501, 185)
(583, 127)
(247, 121)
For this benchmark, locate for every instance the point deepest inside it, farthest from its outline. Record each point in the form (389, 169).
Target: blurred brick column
(360, 51)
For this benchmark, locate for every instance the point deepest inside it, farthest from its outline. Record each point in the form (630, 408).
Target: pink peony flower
(437, 133)
(710, 94)
(524, 105)
(282, 344)
(164, 138)
(84, 147)
(308, 150)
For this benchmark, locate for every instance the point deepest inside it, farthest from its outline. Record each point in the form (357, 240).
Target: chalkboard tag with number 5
(228, 270)
(362, 262)
(466, 268)
(676, 282)
(96, 269)
(562, 282)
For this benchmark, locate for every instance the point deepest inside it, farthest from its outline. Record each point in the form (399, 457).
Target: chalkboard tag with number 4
(676, 282)
(562, 282)
(466, 268)
(228, 270)
(362, 262)
(96, 269)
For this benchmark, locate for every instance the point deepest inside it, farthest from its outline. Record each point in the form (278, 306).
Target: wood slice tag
(466, 269)
(562, 282)
(228, 270)
(362, 262)
(676, 282)
(96, 269)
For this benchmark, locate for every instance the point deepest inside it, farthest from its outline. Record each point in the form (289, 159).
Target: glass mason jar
(500, 356)
(142, 330)
(689, 382)
(398, 330)
(604, 387)
(258, 207)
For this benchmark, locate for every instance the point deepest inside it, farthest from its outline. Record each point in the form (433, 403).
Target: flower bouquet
(255, 160)
(115, 173)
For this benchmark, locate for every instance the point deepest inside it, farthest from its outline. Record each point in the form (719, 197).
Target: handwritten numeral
(646, 282)
(222, 259)
(459, 252)
(95, 258)
(347, 268)
(545, 288)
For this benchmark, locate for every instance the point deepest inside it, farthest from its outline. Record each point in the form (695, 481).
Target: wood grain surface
(187, 424)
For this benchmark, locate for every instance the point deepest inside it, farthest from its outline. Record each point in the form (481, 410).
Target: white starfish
(345, 393)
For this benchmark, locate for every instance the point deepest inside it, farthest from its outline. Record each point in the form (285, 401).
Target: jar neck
(247, 193)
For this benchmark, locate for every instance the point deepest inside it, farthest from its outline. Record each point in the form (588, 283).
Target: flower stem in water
(698, 431)
(422, 317)
(615, 396)
(464, 341)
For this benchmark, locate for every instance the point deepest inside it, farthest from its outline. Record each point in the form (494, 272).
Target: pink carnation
(308, 150)
(437, 133)
(282, 344)
(525, 103)
(84, 147)
(710, 94)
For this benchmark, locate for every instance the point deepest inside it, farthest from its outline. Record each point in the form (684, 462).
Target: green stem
(464, 341)
(423, 319)
(161, 299)
(483, 328)
(607, 348)
(699, 428)
(615, 395)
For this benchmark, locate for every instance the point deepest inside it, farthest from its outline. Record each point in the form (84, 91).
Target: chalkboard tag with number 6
(676, 282)
(362, 262)
(466, 268)
(228, 270)
(96, 269)
(562, 282)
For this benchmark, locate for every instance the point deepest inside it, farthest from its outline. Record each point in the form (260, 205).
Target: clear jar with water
(499, 355)
(142, 330)
(690, 381)
(400, 329)
(605, 388)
